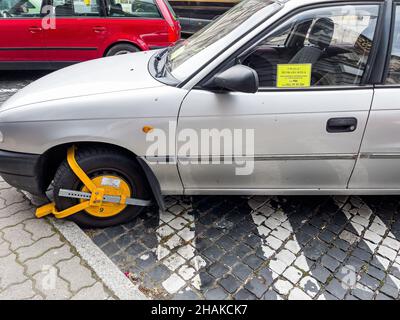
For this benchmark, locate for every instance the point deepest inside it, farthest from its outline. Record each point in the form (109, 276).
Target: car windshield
(213, 35)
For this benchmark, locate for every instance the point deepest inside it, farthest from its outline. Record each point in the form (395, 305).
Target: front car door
(21, 34)
(308, 117)
(378, 167)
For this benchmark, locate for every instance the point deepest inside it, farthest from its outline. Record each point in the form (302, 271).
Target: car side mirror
(237, 78)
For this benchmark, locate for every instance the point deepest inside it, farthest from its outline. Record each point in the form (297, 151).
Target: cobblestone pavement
(249, 248)
(262, 248)
(35, 261)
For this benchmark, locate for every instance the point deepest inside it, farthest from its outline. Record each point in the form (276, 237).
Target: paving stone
(112, 248)
(159, 273)
(273, 242)
(283, 286)
(335, 288)
(186, 295)
(256, 287)
(378, 228)
(186, 272)
(281, 233)
(244, 294)
(173, 283)
(337, 254)
(303, 263)
(77, 275)
(50, 258)
(320, 273)
(375, 272)
(387, 253)
(293, 274)
(369, 282)
(241, 271)
(363, 293)
(253, 261)
(391, 243)
(268, 275)
(362, 254)
(271, 295)
(310, 286)
(293, 246)
(22, 291)
(298, 294)
(277, 266)
(286, 257)
(51, 285)
(113, 232)
(100, 239)
(4, 249)
(17, 236)
(229, 283)
(217, 270)
(213, 253)
(11, 272)
(330, 263)
(381, 296)
(39, 247)
(95, 292)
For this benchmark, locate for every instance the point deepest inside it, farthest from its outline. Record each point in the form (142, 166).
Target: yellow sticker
(293, 75)
(86, 2)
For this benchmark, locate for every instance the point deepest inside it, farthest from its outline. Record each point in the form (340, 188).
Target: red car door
(21, 33)
(79, 31)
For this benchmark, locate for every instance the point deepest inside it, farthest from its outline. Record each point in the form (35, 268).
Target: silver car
(274, 97)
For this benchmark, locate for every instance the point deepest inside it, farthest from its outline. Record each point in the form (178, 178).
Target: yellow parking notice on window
(86, 2)
(293, 75)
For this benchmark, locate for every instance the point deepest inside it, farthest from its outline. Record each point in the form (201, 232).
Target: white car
(274, 97)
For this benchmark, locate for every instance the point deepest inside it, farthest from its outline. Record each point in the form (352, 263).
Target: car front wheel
(117, 173)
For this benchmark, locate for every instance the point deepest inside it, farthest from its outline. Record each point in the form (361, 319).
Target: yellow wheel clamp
(93, 199)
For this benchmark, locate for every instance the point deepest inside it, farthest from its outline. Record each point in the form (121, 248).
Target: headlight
(1, 137)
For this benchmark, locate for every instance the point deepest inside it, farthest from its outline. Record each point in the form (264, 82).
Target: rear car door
(21, 34)
(378, 166)
(308, 119)
(79, 31)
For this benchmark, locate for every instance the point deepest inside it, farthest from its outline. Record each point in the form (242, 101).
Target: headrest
(322, 32)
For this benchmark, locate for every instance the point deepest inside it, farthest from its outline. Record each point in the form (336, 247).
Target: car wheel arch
(113, 44)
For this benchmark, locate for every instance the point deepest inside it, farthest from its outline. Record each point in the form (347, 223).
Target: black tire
(121, 48)
(96, 161)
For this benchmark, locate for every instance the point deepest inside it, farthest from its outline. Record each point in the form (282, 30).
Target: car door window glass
(394, 64)
(65, 8)
(20, 8)
(133, 8)
(319, 47)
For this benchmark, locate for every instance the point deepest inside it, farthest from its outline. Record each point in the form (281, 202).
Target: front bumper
(22, 171)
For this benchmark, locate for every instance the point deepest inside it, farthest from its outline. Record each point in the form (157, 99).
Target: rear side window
(20, 8)
(319, 47)
(133, 8)
(394, 64)
(76, 8)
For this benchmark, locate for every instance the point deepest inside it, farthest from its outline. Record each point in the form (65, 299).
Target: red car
(49, 34)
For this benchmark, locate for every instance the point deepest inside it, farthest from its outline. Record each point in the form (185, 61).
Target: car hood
(110, 74)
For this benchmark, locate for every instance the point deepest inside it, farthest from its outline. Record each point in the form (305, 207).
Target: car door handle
(99, 29)
(34, 29)
(335, 125)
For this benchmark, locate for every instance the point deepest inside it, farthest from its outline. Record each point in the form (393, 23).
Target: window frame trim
(365, 83)
(395, 6)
